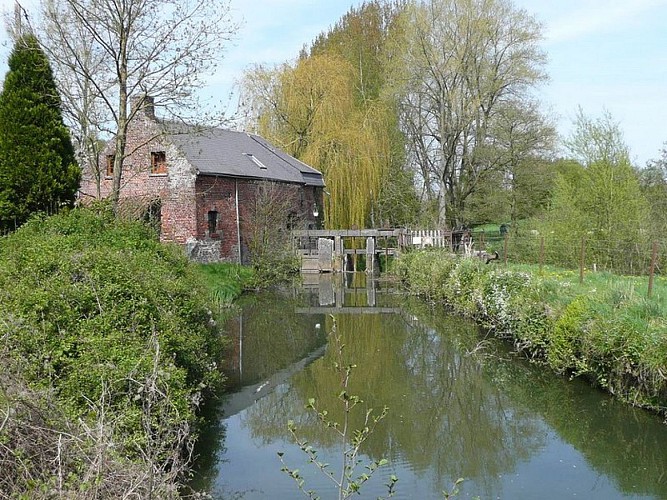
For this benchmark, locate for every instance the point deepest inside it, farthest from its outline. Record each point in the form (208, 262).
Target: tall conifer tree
(38, 169)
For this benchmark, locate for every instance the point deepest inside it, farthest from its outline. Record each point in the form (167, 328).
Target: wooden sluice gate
(347, 293)
(338, 250)
(323, 250)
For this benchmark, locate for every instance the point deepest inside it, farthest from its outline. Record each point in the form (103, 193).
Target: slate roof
(216, 151)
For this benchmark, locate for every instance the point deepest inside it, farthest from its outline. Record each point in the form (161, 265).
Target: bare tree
(461, 61)
(108, 51)
(268, 220)
(73, 53)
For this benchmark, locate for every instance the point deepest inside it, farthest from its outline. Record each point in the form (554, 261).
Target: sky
(603, 55)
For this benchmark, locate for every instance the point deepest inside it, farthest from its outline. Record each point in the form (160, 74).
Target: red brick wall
(186, 198)
(137, 181)
(219, 194)
(175, 189)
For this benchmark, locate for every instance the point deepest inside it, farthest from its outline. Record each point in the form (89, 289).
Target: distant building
(201, 184)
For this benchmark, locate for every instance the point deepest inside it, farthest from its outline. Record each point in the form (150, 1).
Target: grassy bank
(224, 281)
(604, 329)
(108, 344)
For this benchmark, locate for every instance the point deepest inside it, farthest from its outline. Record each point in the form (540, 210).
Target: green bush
(100, 313)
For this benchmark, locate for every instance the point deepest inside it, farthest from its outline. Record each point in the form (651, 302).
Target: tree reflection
(445, 417)
(266, 336)
(454, 410)
(626, 444)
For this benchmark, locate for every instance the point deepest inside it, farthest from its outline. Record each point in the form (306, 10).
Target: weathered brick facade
(191, 202)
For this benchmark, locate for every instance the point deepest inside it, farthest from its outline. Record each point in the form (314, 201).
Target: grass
(563, 286)
(605, 329)
(225, 281)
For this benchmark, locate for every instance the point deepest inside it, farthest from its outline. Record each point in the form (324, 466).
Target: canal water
(459, 406)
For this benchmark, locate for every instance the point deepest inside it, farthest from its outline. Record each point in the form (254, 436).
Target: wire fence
(585, 252)
(577, 250)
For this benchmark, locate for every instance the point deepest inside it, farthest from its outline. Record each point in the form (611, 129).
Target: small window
(256, 160)
(110, 161)
(212, 222)
(158, 162)
(292, 221)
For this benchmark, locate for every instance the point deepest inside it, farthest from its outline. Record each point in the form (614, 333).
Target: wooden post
(354, 255)
(581, 260)
(505, 250)
(326, 292)
(370, 293)
(541, 253)
(654, 258)
(325, 254)
(370, 255)
(338, 253)
(481, 241)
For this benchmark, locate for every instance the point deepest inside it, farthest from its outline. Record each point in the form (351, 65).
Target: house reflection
(347, 293)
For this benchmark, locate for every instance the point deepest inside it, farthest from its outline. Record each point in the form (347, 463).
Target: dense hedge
(112, 328)
(605, 330)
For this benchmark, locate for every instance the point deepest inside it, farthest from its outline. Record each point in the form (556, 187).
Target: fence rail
(588, 253)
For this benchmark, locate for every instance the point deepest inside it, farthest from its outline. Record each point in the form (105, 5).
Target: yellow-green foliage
(310, 110)
(605, 329)
(567, 333)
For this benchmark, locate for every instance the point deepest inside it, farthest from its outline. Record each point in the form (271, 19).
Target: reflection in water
(267, 337)
(511, 429)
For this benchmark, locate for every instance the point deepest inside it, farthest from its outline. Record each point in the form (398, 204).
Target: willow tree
(460, 62)
(309, 110)
(364, 37)
(361, 37)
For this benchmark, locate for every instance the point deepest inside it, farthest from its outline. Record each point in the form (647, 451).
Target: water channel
(459, 405)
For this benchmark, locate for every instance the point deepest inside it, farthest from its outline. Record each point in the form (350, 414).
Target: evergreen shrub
(38, 170)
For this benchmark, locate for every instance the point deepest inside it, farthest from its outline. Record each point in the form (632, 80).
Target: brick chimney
(143, 104)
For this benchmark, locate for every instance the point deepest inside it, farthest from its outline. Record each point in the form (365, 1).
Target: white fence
(438, 238)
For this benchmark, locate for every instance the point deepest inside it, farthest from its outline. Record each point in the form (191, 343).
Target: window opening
(292, 221)
(110, 161)
(256, 161)
(212, 222)
(153, 215)
(158, 162)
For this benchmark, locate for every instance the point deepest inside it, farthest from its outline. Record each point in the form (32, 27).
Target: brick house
(204, 185)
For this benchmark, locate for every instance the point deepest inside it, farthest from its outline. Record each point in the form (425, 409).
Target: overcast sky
(603, 54)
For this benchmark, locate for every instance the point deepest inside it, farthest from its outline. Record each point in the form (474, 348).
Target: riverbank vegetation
(605, 329)
(108, 346)
(225, 281)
